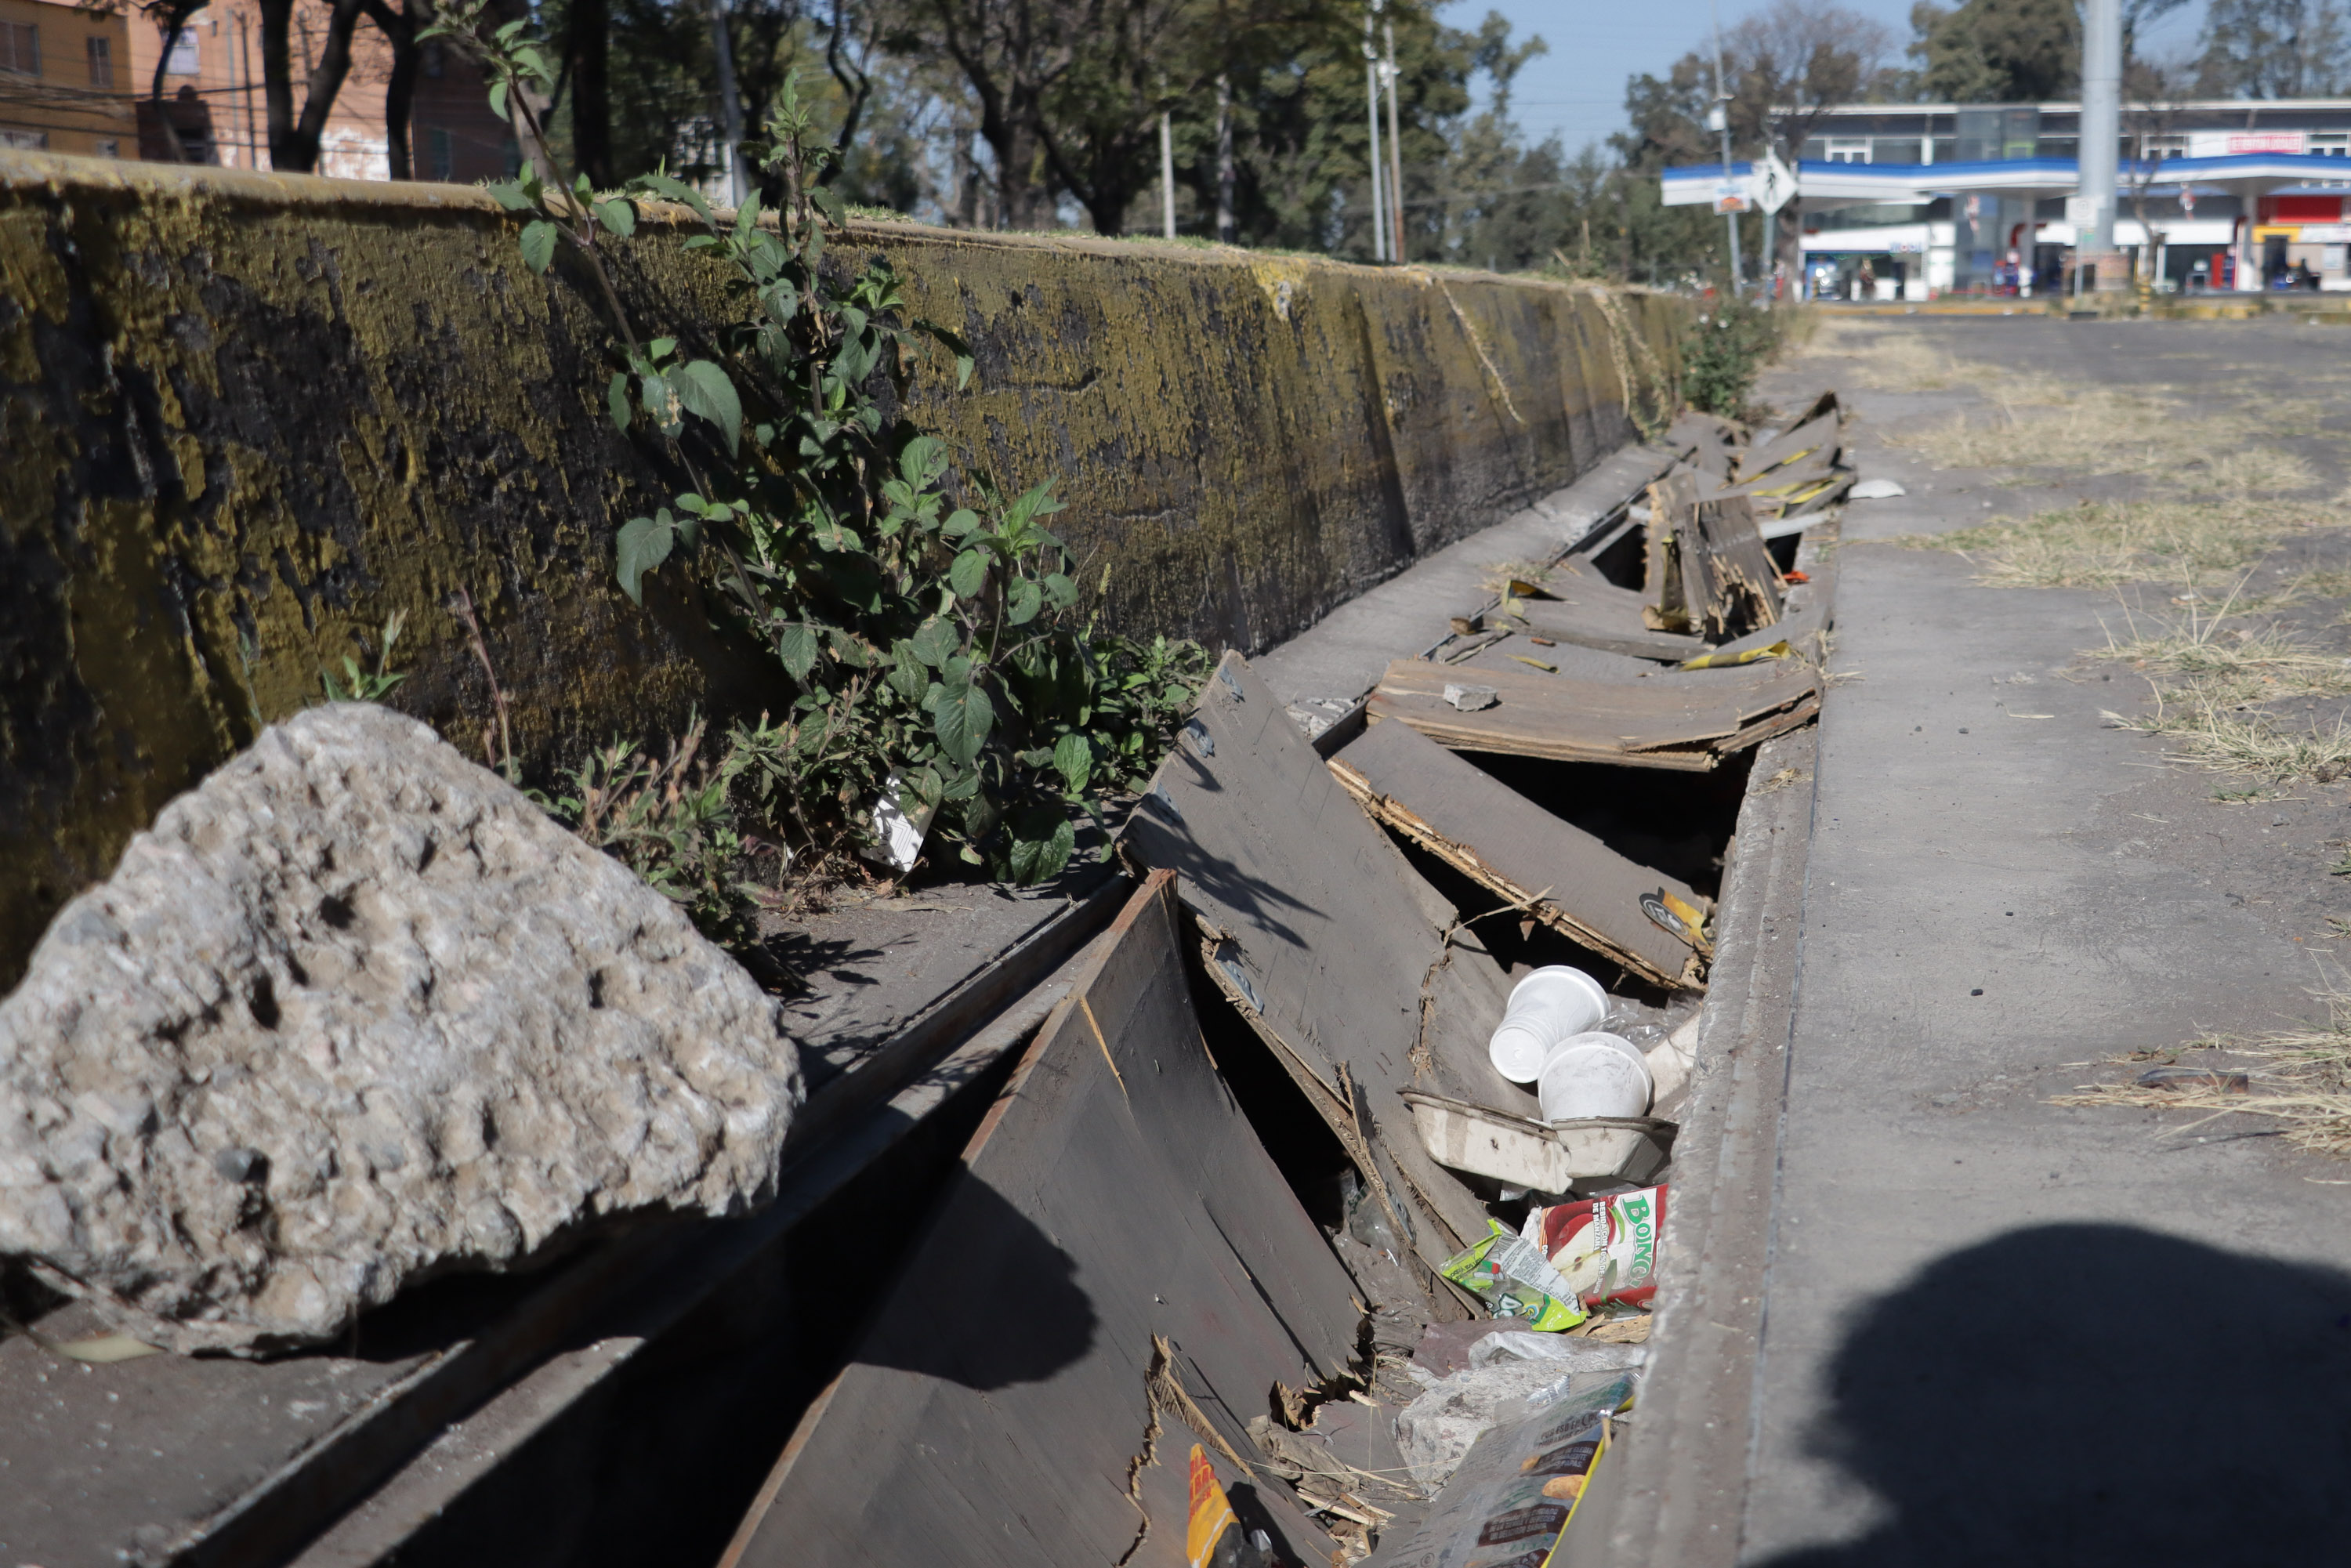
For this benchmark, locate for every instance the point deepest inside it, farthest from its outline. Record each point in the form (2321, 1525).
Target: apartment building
(65, 80)
(81, 80)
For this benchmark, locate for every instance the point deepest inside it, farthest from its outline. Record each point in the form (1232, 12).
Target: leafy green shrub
(925, 620)
(673, 822)
(1723, 353)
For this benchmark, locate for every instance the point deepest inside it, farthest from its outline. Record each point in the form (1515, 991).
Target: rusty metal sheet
(1118, 1271)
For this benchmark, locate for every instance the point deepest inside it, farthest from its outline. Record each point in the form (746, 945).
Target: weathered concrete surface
(356, 1010)
(247, 416)
(1982, 1311)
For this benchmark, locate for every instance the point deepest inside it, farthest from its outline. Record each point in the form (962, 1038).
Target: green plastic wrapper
(1513, 1278)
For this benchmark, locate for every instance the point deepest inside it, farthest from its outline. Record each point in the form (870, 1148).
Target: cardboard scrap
(1688, 722)
(1560, 874)
(1117, 1264)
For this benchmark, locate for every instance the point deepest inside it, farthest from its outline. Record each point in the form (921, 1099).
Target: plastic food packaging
(1593, 1074)
(1602, 1248)
(1512, 1275)
(1213, 1536)
(1547, 1007)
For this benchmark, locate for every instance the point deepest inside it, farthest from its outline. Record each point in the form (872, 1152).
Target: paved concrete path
(1998, 1330)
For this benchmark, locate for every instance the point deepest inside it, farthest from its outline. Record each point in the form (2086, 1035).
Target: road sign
(1731, 197)
(1773, 184)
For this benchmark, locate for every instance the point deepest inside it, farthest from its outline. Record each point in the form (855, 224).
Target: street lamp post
(1721, 121)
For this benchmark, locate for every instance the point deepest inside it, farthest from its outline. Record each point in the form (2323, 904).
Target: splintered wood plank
(1683, 720)
(1113, 1206)
(1727, 572)
(1324, 936)
(1565, 877)
(1710, 442)
(1819, 436)
(1665, 595)
(1594, 614)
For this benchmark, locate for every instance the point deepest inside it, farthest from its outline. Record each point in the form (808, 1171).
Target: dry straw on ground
(2104, 544)
(2040, 421)
(2299, 1078)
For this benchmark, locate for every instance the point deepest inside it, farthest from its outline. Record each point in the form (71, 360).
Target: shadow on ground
(2093, 1395)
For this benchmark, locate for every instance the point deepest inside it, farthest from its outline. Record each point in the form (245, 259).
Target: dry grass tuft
(2103, 544)
(2039, 422)
(2216, 725)
(2262, 471)
(2300, 1078)
(2085, 430)
(2264, 662)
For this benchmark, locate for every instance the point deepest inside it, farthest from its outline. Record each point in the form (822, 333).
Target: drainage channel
(1200, 1275)
(1155, 1201)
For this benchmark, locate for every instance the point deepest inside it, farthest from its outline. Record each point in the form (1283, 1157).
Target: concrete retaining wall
(246, 417)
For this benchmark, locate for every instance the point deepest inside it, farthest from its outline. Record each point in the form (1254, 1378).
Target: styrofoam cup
(1546, 1008)
(1593, 1074)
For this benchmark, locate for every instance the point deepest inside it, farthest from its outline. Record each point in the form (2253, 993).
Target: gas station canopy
(1822, 186)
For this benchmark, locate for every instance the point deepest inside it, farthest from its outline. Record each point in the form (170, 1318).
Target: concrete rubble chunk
(353, 1012)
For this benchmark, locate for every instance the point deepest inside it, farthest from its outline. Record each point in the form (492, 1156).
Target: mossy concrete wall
(245, 418)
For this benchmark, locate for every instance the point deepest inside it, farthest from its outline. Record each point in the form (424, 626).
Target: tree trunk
(1019, 198)
(175, 22)
(294, 141)
(399, 29)
(967, 178)
(591, 92)
(1227, 227)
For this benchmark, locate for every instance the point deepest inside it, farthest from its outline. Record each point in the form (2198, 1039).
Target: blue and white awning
(1821, 184)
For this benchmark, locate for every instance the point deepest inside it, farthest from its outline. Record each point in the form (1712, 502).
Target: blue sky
(1577, 90)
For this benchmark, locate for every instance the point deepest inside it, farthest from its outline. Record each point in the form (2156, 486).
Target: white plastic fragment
(898, 837)
(1875, 490)
(1670, 1059)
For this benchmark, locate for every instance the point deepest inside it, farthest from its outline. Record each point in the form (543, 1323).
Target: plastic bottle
(1593, 1074)
(1547, 1007)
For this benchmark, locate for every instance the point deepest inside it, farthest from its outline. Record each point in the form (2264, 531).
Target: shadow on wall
(2094, 1394)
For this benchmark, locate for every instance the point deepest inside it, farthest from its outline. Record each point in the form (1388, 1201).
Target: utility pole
(2101, 94)
(1166, 174)
(1721, 119)
(1395, 152)
(1372, 87)
(730, 106)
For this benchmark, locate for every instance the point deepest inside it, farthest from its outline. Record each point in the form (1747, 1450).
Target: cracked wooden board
(1818, 431)
(1324, 938)
(1664, 588)
(1116, 1237)
(1685, 720)
(1586, 610)
(1506, 842)
(1733, 586)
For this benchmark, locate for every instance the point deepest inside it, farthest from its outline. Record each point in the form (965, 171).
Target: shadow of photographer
(2093, 1395)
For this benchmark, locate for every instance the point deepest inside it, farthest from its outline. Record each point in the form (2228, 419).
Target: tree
(2150, 109)
(294, 137)
(1794, 62)
(1997, 51)
(2271, 48)
(170, 18)
(400, 29)
(1785, 67)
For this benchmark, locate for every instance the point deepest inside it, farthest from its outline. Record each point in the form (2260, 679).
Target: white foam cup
(1593, 1074)
(1546, 1008)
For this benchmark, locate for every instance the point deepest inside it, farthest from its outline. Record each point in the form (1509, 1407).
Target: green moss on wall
(246, 418)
